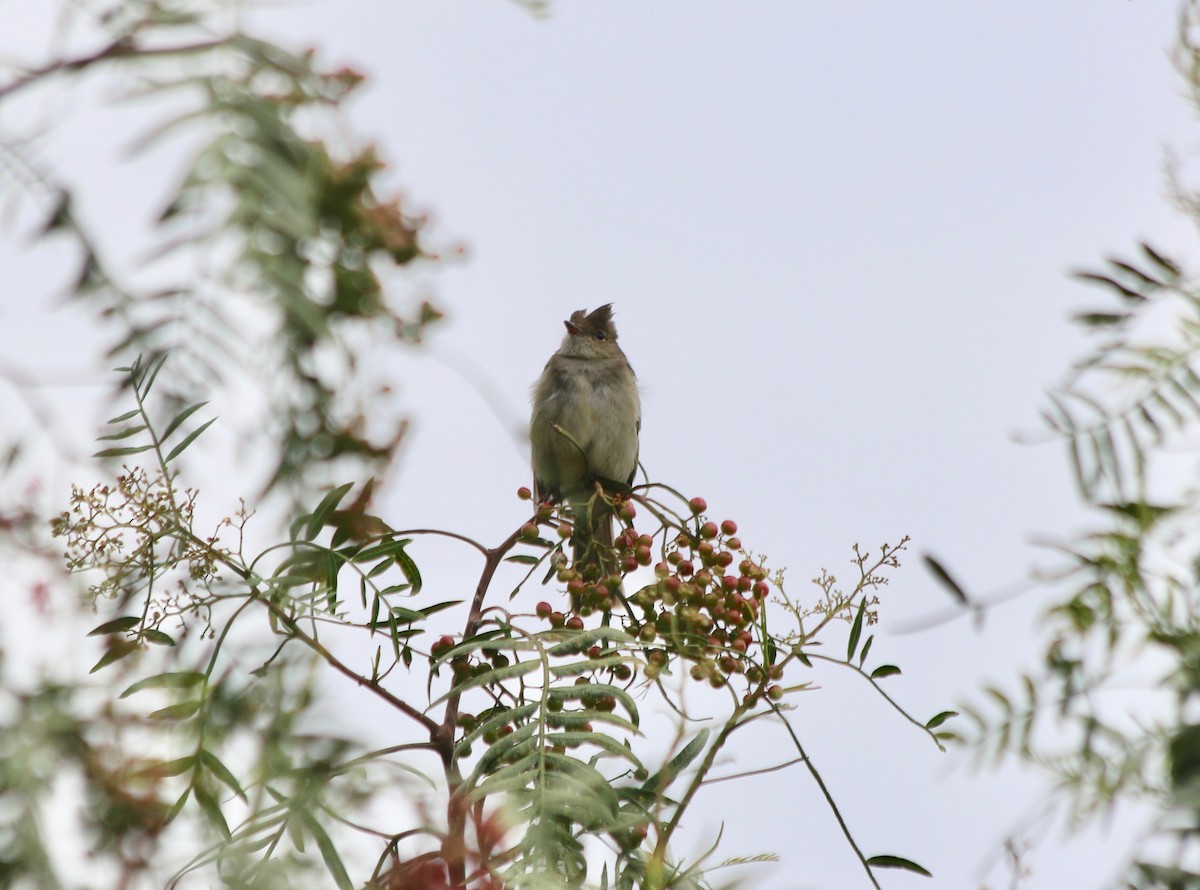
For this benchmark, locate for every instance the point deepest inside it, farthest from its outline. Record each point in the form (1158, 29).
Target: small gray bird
(584, 429)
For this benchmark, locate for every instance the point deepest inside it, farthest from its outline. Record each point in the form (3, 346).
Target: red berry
(733, 543)
(724, 559)
(628, 511)
(629, 564)
(557, 619)
(685, 568)
(575, 622)
(524, 493)
(708, 530)
(529, 532)
(729, 527)
(698, 505)
(543, 610)
(760, 590)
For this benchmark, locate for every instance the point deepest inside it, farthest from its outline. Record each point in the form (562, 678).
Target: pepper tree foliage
(201, 741)
(1111, 710)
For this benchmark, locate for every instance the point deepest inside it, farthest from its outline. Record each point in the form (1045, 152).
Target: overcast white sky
(837, 237)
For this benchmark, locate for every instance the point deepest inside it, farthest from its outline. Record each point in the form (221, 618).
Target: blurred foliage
(1112, 708)
(209, 744)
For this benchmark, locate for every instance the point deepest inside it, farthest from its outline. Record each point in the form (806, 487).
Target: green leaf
(437, 607)
(898, 862)
(375, 604)
(116, 626)
(884, 670)
(856, 629)
(178, 805)
(1121, 289)
(187, 440)
(523, 558)
(181, 711)
(939, 572)
(661, 780)
(122, 452)
(939, 719)
(168, 768)
(117, 650)
(218, 769)
(862, 656)
(174, 680)
(411, 573)
(145, 380)
(158, 637)
(319, 516)
(179, 419)
(212, 809)
(329, 852)
(1100, 319)
(122, 434)
(128, 415)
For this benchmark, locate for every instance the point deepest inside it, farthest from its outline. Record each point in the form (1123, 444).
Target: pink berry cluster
(703, 604)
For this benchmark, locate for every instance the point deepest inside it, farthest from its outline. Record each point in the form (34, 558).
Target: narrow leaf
(218, 769)
(188, 439)
(157, 637)
(319, 516)
(856, 629)
(122, 452)
(862, 656)
(884, 670)
(116, 626)
(122, 434)
(179, 419)
(939, 719)
(117, 650)
(898, 862)
(329, 852)
(939, 572)
(181, 711)
(174, 680)
(212, 809)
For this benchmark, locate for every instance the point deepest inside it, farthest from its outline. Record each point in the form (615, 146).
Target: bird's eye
(600, 335)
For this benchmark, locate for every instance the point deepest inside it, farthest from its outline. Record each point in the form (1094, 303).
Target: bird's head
(591, 335)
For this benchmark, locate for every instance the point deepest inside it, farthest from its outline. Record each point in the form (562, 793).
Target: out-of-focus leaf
(117, 625)
(174, 680)
(947, 580)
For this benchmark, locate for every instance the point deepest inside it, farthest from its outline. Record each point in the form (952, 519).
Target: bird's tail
(592, 538)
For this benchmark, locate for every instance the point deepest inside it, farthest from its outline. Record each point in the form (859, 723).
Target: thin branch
(755, 772)
(837, 814)
(891, 701)
(122, 48)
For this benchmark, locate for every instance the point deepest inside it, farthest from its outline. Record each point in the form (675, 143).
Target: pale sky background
(837, 238)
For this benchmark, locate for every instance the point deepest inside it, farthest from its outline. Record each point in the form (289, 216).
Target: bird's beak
(573, 329)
